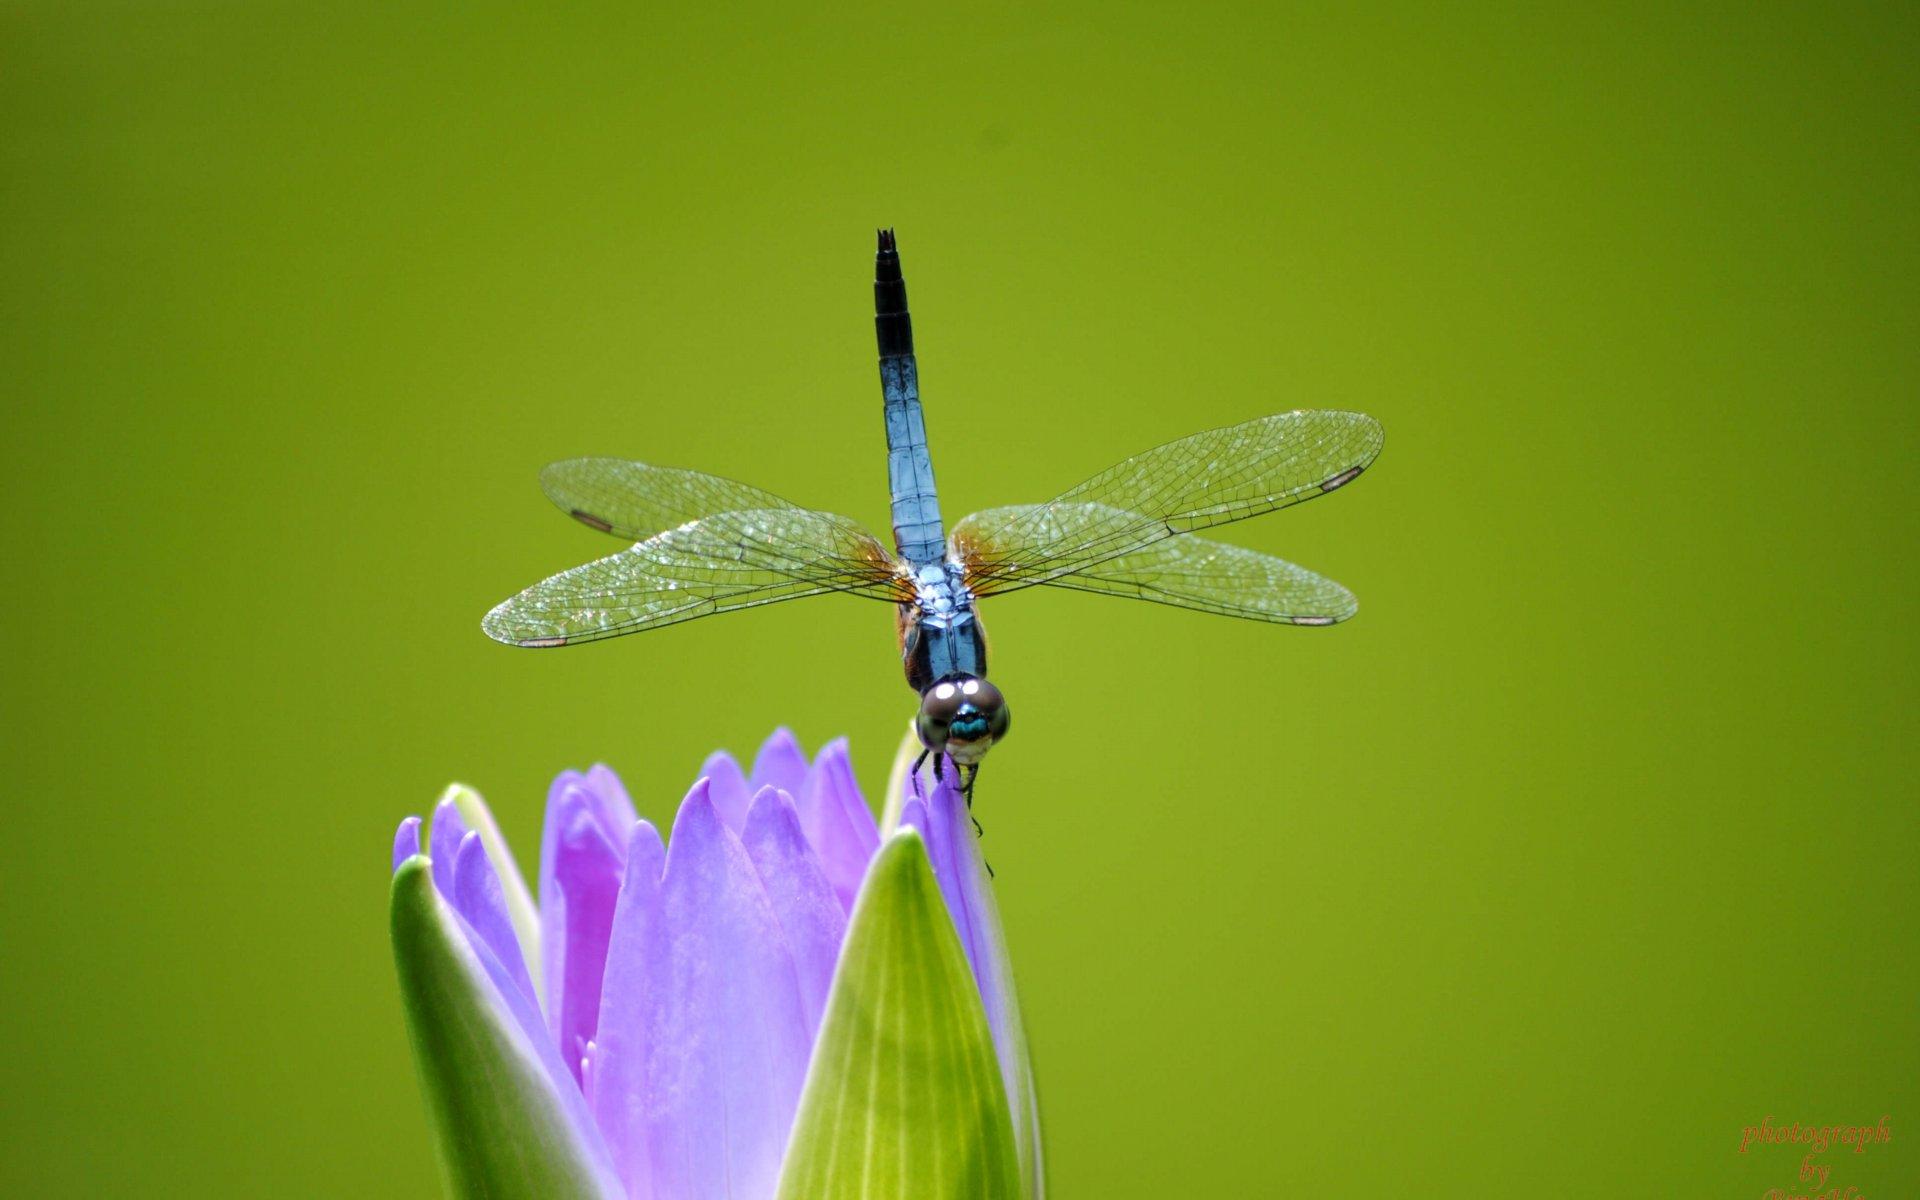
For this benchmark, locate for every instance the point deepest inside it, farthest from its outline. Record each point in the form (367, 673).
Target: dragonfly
(700, 544)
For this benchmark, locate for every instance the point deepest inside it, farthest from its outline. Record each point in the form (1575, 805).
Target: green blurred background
(1590, 841)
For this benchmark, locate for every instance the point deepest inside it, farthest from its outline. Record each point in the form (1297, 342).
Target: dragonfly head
(962, 717)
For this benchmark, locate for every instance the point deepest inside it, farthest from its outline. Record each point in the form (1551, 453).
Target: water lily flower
(782, 999)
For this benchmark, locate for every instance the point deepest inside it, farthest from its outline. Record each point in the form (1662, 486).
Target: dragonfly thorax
(940, 595)
(945, 651)
(940, 635)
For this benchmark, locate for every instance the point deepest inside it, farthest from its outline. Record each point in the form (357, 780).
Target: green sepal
(904, 1094)
(502, 1127)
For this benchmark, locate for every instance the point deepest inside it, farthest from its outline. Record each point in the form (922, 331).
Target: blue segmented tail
(918, 533)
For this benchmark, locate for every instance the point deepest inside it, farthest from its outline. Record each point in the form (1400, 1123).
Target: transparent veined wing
(1191, 572)
(1195, 483)
(713, 564)
(635, 500)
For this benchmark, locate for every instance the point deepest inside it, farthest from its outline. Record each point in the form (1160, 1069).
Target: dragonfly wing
(714, 564)
(1199, 573)
(635, 500)
(1197, 482)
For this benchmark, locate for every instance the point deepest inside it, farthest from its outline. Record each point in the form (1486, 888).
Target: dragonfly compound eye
(962, 716)
(989, 704)
(939, 705)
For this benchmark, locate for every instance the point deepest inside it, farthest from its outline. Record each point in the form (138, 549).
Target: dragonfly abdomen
(918, 532)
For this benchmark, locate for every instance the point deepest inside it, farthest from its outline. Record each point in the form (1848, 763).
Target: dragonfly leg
(966, 790)
(921, 761)
(967, 776)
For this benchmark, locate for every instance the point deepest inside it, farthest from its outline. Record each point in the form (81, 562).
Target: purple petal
(507, 993)
(443, 843)
(652, 851)
(948, 830)
(726, 1031)
(406, 841)
(780, 763)
(601, 795)
(810, 915)
(961, 873)
(914, 813)
(932, 815)
(728, 788)
(580, 883)
(611, 804)
(837, 820)
(617, 1085)
(478, 898)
